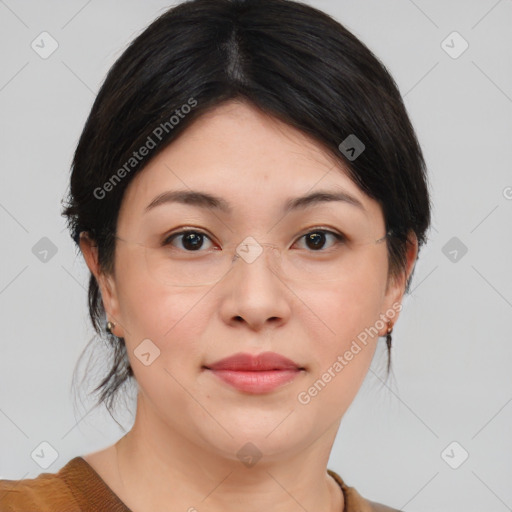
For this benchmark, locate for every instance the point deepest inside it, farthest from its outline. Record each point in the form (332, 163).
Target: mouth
(255, 374)
(257, 381)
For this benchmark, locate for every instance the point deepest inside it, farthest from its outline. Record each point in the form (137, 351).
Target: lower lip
(256, 382)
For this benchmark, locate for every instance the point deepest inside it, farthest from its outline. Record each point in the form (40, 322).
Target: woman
(250, 198)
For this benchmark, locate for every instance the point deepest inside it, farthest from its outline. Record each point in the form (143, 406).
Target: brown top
(78, 488)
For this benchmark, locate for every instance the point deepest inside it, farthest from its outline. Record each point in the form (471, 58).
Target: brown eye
(190, 240)
(315, 240)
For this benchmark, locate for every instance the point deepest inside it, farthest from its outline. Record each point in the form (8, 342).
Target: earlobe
(412, 254)
(105, 282)
(397, 283)
(400, 282)
(90, 253)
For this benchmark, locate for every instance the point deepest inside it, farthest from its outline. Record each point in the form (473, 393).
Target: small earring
(110, 326)
(388, 334)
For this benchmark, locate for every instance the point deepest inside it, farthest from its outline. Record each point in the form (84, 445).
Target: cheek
(354, 302)
(175, 326)
(341, 321)
(152, 311)
(340, 354)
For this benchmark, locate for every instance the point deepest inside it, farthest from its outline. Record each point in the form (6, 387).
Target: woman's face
(330, 328)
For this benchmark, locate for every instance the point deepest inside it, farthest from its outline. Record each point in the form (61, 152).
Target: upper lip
(249, 362)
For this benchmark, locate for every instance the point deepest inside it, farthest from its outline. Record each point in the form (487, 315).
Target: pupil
(192, 240)
(317, 239)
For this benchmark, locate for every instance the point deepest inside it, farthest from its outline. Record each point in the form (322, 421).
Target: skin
(189, 425)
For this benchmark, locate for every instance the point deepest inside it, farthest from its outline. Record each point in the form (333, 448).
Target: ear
(395, 287)
(105, 282)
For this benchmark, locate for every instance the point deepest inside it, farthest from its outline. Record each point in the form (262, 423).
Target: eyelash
(339, 237)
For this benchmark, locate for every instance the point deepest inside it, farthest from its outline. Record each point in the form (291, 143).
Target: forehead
(253, 161)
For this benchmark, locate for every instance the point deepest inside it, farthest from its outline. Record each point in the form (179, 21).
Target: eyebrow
(206, 200)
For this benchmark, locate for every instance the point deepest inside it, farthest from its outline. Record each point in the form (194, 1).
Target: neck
(160, 468)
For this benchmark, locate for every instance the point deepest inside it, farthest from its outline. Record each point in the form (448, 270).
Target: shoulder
(379, 507)
(354, 502)
(47, 492)
(76, 487)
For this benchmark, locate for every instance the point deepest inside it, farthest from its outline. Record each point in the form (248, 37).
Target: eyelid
(324, 229)
(183, 230)
(340, 237)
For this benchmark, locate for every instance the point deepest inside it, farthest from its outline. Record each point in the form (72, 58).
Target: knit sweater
(77, 487)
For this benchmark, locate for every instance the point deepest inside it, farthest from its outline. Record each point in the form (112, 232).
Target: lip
(265, 361)
(256, 374)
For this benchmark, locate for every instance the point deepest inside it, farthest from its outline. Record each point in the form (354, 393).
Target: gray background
(452, 346)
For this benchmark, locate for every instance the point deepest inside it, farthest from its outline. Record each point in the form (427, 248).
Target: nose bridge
(253, 292)
(252, 252)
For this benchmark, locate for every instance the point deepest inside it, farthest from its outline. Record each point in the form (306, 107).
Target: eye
(190, 240)
(193, 240)
(316, 240)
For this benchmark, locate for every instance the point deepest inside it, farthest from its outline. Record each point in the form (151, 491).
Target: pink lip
(255, 374)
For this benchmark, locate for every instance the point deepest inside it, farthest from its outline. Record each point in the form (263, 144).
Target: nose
(252, 291)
